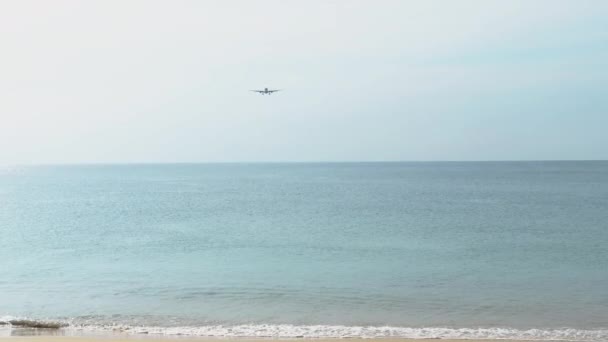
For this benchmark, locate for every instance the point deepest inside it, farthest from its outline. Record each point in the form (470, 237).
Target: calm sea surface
(284, 249)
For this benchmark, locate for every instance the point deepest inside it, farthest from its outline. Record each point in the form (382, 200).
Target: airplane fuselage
(266, 91)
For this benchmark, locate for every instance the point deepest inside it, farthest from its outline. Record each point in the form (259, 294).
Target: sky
(139, 81)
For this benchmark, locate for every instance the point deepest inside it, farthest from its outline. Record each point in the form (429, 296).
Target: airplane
(266, 91)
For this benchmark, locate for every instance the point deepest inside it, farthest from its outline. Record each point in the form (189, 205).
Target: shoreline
(24, 329)
(130, 338)
(80, 334)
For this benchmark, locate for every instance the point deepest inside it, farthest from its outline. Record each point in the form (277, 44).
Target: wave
(318, 331)
(37, 324)
(326, 331)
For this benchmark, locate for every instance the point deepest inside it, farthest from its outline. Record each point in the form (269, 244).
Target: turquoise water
(310, 249)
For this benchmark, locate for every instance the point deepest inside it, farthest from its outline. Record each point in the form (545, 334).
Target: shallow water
(518, 245)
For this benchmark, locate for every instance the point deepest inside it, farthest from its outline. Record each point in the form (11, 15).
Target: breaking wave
(27, 323)
(326, 331)
(314, 331)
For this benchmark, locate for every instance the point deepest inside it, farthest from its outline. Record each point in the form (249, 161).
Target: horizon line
(300, 162)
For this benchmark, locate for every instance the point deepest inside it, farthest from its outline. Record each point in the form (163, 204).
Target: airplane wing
(257, 91)
(275, 90)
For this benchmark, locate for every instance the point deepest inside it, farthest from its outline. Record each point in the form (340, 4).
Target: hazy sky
(167, 81)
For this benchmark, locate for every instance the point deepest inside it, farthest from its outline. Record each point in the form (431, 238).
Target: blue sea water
(471, 249)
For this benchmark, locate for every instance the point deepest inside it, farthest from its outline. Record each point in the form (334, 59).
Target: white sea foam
(69, 327)
(337, 331)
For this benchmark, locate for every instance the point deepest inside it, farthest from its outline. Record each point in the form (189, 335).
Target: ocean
(413, 249)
